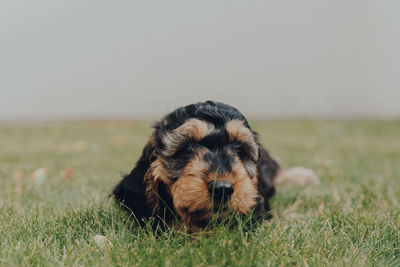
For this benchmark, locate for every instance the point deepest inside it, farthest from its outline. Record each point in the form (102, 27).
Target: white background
(137, 59)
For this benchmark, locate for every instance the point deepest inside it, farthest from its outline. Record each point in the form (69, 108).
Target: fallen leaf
(321, 209)
(67, 172)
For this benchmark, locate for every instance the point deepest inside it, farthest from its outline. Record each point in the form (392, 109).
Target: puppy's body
(199, 157)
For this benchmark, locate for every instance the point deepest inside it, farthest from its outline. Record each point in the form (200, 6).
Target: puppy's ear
(131, 191)
(267, 169)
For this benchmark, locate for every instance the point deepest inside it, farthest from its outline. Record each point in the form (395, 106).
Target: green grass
(351, 218)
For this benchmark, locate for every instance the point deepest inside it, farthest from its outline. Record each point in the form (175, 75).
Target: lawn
(61, 214)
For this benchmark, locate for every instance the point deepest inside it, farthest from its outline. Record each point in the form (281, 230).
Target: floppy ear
(267, 169)
(131, 191)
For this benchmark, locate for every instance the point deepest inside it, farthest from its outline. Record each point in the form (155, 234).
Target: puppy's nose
(221, 189)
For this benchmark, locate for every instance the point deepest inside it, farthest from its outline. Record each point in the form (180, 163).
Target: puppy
(200, 158)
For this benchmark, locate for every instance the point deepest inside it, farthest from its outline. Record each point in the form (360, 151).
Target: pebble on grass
(100, 240)
(39, 175)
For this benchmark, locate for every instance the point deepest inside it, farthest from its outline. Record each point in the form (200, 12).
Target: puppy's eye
(199, 145)
(204, 146)
(185, 150)
(239, 150)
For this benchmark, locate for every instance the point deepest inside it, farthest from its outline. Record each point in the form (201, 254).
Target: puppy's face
(205, 168)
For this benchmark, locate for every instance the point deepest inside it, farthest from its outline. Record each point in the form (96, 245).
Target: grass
(351, 218)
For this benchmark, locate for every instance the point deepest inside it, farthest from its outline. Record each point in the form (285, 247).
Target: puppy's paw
(296, 176)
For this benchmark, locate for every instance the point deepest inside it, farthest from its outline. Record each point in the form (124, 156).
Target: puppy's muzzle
(220, 190)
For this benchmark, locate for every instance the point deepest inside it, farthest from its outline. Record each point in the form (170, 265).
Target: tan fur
(191, 198)
(193, 201)
(151, 182)
(192, 129)
(190, 193)
(238, 132)
(159, 172)
(245, 192)
(154, 175)
(195, 129)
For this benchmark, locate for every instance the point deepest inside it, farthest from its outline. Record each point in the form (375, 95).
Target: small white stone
(39, 175)
(100, 240)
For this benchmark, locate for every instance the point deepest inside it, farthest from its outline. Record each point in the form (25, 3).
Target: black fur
(131, 190)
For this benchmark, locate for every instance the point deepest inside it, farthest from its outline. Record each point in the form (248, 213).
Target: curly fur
(190, 148)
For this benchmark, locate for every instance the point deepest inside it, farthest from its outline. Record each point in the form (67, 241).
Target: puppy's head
(202, 167)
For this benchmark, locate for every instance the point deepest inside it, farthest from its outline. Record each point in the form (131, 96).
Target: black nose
(221, 189)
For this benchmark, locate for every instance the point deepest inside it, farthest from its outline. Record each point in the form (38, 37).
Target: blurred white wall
(133, 59)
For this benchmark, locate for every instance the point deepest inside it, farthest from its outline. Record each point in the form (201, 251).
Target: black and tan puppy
(198, 157)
